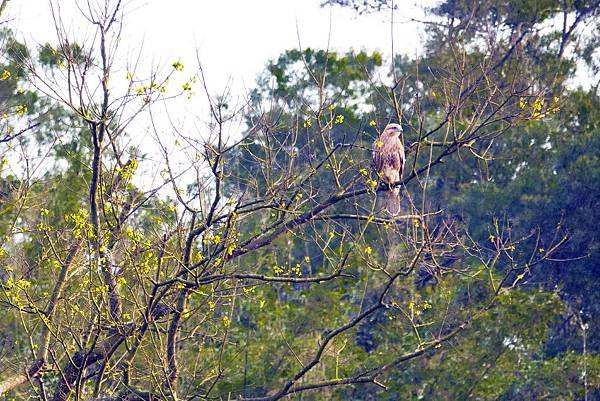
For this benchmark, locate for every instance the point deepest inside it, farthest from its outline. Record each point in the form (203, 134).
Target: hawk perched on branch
(388, 162)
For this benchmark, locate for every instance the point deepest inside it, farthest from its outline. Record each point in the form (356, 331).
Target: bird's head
(393, 129)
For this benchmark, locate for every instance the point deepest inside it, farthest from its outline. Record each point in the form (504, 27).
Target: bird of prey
(388, 162)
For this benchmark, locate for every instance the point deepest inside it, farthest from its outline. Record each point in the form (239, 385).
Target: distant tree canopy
(258, 265)
(361, 6)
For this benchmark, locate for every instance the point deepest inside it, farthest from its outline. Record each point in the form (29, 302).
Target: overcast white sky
(234, 38)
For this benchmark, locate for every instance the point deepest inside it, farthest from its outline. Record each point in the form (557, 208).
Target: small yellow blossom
(296, 270)
(230, 249)
(249, 290)
(5, 75)
(371, 183)
(522, 103)
(22, 109)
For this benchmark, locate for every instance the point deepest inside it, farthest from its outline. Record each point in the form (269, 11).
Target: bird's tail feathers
(392, 201)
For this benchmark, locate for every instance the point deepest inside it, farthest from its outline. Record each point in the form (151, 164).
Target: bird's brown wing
(401, 159)
(378, 157)
(393, 155)
(393, 159)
